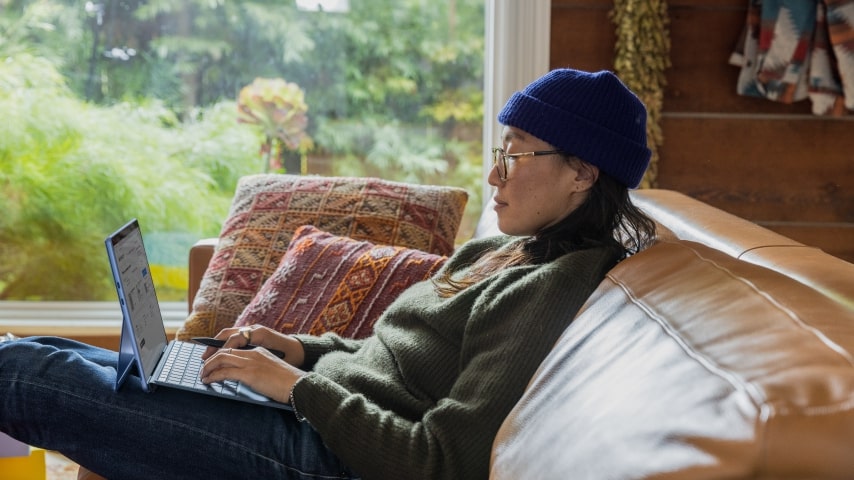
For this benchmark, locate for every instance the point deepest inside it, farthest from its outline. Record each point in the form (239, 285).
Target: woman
(424, 396)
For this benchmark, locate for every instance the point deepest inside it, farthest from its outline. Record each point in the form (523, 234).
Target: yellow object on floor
(31, 467)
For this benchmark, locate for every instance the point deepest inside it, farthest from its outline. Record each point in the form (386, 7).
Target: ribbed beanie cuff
(589, 115)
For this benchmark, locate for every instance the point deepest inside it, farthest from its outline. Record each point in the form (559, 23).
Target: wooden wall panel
(582, 36)
(794, 176)
(764, 169)
(772, 163)
(701, 78)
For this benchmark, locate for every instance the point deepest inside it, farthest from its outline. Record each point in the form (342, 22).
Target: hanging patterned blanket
(791, 50)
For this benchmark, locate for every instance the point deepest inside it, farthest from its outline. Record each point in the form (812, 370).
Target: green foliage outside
(135, 116)
(72, 172)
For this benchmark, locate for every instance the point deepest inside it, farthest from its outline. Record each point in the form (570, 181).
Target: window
(136, 116)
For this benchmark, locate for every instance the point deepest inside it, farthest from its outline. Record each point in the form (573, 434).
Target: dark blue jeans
(59, 394)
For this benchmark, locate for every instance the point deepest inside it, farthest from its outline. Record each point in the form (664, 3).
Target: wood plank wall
(774, 164)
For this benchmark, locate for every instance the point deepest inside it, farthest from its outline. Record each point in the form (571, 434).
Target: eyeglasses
(500, 158)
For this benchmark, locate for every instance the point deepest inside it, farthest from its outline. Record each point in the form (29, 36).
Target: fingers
(258, 369)
(225, 333)
(209, 352)
(238, 337)
(232, 337)
(254, 334)
(222, 365)
(234, 364)
(227, 342)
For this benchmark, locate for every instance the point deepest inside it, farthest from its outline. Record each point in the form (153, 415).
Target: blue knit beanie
(590, 115)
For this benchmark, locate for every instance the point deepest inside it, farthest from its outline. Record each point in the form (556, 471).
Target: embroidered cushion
(268, 208)
(329, 283)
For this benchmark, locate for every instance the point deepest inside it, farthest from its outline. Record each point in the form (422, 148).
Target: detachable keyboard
(181, 369)
(182, 365)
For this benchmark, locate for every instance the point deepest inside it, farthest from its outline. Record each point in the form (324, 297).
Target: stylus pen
(216, 343)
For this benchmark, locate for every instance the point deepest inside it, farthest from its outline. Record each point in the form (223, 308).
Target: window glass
(117, 109)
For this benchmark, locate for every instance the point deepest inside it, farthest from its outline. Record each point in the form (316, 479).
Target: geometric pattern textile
(268, 208)
(791, 50)
(329, 283)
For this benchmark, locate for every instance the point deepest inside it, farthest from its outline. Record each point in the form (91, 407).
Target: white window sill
(75, 318)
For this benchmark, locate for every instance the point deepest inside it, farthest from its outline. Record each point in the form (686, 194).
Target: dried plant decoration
(642, 55)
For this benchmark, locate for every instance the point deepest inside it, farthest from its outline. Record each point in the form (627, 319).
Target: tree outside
(128, 108)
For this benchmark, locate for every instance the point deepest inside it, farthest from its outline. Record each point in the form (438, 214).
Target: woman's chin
(508, 229)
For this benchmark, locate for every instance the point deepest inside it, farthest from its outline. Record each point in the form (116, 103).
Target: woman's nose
(493, 178)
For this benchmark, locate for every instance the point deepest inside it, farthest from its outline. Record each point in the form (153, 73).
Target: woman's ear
(586, 176)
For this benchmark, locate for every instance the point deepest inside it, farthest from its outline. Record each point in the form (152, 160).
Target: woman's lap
(60, 395)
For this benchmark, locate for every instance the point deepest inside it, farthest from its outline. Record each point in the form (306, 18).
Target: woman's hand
(257, 368)
(261, 336)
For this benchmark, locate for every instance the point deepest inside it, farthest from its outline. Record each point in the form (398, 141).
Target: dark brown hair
(607, 218)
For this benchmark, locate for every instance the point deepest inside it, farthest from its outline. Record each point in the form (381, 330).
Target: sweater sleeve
(517, 316)
(316, 346)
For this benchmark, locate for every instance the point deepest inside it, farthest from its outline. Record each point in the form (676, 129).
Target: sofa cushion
(328, 283)
(267, 209)
(687, 363)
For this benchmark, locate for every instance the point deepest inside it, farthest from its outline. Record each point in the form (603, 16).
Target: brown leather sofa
(724, 351)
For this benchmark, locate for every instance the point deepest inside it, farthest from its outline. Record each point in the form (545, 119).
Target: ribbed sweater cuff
(314, 348)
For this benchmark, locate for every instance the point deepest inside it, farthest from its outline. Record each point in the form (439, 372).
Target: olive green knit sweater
(425, 395)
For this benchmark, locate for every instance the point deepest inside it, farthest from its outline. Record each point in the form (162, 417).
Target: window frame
(516, 52)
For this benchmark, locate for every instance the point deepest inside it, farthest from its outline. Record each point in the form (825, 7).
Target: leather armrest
(200, 256)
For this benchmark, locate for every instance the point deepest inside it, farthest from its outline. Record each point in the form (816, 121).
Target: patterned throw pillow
(268, 208)
(328, 283)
